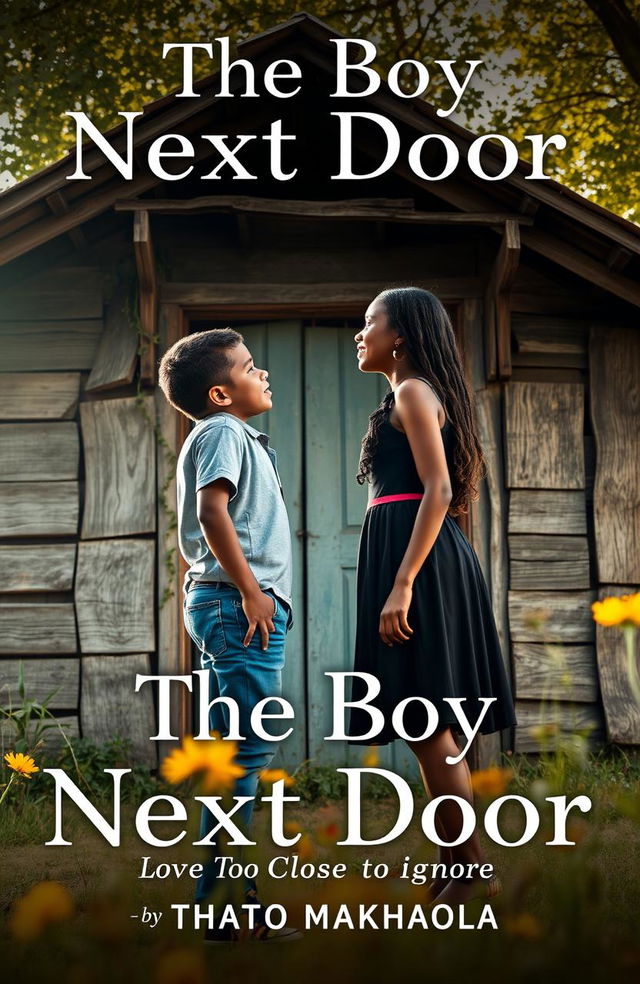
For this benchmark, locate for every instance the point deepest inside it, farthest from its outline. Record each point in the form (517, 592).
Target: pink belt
(394, 498)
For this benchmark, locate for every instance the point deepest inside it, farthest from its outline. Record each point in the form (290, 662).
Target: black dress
(454, 650)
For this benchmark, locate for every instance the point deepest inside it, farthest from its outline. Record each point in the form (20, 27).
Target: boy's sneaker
(221, 934)
(261, 933)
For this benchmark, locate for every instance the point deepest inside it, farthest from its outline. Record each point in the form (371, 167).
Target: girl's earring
(397, 357)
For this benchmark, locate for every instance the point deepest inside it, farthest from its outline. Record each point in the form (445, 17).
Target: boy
(234, 533)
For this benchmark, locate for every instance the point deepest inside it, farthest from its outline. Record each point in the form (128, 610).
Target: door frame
(180, 304)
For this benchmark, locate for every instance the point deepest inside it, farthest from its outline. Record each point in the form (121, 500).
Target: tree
(568, 66)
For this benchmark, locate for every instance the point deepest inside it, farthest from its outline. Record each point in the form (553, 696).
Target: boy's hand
(259, 609)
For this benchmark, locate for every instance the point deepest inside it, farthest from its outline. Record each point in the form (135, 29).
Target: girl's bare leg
(442, 779)
(444, 853)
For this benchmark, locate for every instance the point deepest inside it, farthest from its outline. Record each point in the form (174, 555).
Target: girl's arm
(417, 408)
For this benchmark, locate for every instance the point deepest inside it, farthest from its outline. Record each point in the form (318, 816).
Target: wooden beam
(498, 303)
(148, 286)
(271, 206)
(293, 299)
(243, 227)
(388, 210)
(568, 256)
(528, 206)
(618, 258)
(42, 230)
(58, 206)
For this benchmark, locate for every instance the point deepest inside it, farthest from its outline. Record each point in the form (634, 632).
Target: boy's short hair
(193, 365)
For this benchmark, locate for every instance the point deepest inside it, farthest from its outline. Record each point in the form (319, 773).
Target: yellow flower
(491, 782)
(623, 610)
(46, 903)
(182, 967)
(22, 764)
(273, 775)
(305, 848)
(525, 926)
(291, 828)
(212, 759)
(371, 758)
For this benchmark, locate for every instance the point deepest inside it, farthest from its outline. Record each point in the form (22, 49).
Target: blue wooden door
(277, 346)
(338, 401)
(321, 405)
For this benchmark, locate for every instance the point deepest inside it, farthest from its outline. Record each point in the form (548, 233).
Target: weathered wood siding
(66, 462)
(551, 578)
(82, 556)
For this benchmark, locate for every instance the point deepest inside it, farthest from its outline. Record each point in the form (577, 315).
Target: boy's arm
(222, 540)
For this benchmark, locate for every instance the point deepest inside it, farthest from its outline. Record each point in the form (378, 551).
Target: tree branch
(624, 31)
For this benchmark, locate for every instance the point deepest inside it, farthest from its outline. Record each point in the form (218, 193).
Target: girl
(424, 622)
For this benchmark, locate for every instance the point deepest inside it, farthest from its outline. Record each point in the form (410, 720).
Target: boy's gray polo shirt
(223, 446)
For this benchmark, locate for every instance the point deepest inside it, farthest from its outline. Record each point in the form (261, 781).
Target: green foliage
(548, 66)
(117, 753)
(31, 720)
(315, 783)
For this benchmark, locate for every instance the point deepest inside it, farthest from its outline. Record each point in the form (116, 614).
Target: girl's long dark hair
(429, 343)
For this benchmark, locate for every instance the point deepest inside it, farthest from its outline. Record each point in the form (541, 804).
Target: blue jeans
(216, 622)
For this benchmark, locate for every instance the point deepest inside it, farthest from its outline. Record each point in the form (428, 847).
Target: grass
(563, 910)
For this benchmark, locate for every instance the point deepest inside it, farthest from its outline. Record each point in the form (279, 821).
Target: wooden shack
(98, 277)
